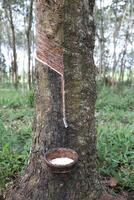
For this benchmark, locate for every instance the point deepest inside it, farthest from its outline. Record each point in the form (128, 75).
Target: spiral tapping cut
(49, 53)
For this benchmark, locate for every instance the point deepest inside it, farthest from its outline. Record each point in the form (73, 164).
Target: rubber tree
(71, 25)
(9, 14)
(28, 36)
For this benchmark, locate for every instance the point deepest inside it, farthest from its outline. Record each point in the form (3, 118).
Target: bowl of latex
(61, 160)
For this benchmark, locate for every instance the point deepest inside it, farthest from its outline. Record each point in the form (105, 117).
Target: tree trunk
(28, 35)
(115, 40)
(81, 183)
(33, 63)
(14, 65)
(123, 61)
(29, 61)
(101, 41)
(115, 45)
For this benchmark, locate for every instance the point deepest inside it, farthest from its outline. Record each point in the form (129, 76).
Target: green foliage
(12, 98)
(115, 142)
(15, 134)
(11, 163)
(30, 98)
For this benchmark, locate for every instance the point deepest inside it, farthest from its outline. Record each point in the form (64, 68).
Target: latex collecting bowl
(61, 160)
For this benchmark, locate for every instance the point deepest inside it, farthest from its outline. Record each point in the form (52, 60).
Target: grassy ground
(115, 141)
(16, 116)
(115, 125)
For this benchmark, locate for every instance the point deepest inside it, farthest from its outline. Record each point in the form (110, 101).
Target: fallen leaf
(112, 182)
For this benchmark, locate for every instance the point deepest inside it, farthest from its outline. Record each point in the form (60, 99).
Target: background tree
(112, 20)
(9, 14)
(3, 72)
(29, 41)
(20, 14)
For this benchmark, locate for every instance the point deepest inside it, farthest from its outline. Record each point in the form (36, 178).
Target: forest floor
(115, 137)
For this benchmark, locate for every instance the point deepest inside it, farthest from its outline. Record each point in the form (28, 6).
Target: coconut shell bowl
(61, 160)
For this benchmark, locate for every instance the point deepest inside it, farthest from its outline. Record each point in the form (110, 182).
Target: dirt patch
(106, 196)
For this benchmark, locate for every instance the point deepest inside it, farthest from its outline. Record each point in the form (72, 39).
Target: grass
(115, 141)
(115, 128)
(16, 116)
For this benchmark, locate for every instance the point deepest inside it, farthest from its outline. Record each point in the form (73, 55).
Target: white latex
(61, 161)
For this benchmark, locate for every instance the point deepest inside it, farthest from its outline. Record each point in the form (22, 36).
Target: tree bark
(115, 34)
(115, 40)
(123, 61)
(101, 41)
(28, 35)
(81, 183)
(9, 16)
